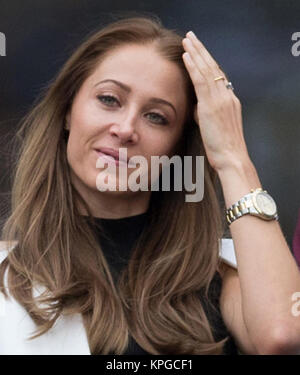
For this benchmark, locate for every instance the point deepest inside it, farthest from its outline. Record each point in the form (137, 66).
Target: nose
(125, 128)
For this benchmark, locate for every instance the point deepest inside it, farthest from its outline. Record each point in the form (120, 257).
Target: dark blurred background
(250, 39)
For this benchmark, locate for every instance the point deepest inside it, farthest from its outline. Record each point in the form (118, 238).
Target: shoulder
(67, 336)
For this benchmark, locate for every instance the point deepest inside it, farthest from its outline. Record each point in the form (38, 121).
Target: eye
(108, 100)
(157, 118)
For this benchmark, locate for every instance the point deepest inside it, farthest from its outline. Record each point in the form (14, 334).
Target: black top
(120, 238)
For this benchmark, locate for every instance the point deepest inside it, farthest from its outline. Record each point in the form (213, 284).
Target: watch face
(266, 204)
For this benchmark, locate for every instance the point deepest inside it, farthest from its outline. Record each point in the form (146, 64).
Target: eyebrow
(128, 89)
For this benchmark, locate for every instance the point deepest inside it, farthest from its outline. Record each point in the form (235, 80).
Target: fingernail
(190, 33)
(187, 56)
(187, 41)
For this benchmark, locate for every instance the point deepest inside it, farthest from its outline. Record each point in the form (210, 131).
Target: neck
(111, 207)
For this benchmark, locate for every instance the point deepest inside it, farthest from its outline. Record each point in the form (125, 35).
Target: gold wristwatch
(258, 203)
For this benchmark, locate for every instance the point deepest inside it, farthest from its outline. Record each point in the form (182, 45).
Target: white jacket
(67, 336)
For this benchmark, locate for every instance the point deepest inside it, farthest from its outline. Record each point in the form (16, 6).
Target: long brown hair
(156, 299)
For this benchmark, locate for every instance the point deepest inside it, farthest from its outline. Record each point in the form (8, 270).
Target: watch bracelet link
(243, 207)
(238, 209)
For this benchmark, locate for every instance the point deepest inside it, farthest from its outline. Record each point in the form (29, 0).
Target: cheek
(160, 143)
(82, 163)
(84, 124)
(79, 153)
(85, 117)
(167, 146)
(75, 146)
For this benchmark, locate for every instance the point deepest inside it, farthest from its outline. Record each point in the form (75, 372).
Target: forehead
(144, 70)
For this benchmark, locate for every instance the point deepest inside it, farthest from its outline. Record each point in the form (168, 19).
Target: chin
(110, 185)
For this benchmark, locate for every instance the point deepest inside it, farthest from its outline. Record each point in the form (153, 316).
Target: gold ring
(218, 78)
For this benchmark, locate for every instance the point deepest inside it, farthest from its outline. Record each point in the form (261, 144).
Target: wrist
(237, 179)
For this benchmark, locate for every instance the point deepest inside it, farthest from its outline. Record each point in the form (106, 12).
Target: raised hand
(218, 111)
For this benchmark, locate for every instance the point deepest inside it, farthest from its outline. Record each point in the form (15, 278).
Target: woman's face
(135, 99)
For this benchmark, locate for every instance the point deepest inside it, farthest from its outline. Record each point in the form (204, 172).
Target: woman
(139, 86)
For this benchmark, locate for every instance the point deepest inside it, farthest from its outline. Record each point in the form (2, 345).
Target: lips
(112, 155)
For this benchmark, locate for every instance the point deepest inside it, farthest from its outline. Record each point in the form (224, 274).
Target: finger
(196, 57)
(210, 61)
(205, 70)
(199, 46)
(199, 82)
(203, 76)
(206, 97)
(216, 88)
